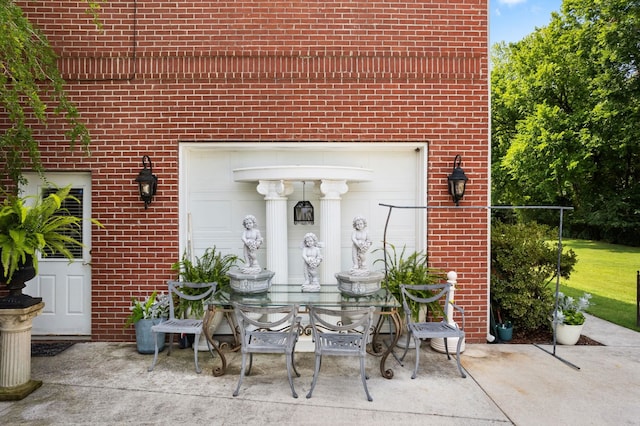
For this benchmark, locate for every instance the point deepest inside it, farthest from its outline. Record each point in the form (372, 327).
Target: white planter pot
(568, 334)
(437, 344)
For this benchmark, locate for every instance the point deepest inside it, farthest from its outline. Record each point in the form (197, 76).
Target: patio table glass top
(288, 294)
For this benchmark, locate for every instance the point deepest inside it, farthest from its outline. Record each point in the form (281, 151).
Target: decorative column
(438, 343)
(15, 352)
(275, 194)
(330, 227)
(274, 182)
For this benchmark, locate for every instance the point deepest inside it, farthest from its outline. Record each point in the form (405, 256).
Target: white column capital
(274, 189)
(333, 189)
(19, 319)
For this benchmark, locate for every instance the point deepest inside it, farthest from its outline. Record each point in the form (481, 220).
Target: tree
(31, 88)
(566, 103)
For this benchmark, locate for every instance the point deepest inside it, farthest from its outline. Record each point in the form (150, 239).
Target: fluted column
(330, 227)
(275, 194)
(15, 352)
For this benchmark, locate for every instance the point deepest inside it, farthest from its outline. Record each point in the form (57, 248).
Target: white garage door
(213, 205)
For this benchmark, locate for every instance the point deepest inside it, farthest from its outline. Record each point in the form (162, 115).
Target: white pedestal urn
(359, 285)
(250, 283)
(568, 334)
(15, 352)
(452, 342)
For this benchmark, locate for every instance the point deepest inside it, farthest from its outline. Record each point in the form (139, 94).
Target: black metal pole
(554, 324)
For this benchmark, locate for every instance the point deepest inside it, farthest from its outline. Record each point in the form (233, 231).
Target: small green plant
(570, 311)
(154, 306)
(411, 269)
(211, 267)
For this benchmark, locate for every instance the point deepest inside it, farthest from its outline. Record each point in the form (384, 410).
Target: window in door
(70, 207)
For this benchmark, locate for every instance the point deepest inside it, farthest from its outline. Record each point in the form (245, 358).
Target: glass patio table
(329, 296)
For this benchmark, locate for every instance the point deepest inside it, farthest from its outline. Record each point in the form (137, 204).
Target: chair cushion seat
(423, 330)
(340, 343)
(268, 342)
(189, 326)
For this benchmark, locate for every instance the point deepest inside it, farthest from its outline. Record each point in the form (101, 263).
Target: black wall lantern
(457, 181)
(147, 181)
(303, 211)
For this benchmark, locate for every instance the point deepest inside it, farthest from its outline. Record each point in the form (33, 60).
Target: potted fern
(211, 267)
(30, 226)
(409, 269)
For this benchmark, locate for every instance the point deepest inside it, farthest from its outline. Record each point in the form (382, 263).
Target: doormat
(49, 348)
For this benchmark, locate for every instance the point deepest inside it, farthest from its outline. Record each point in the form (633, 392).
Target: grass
(609, 273)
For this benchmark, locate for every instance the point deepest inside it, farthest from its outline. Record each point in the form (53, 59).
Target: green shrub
(523, 267)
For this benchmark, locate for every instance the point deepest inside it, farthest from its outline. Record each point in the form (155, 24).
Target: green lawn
(609, 273)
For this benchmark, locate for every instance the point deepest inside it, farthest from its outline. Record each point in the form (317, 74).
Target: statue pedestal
(15, 352)
(359, 285)
(244, 283)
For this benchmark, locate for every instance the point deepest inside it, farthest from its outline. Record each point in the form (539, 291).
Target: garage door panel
(218, 204)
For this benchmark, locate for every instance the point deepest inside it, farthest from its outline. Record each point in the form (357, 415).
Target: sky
(511, 20)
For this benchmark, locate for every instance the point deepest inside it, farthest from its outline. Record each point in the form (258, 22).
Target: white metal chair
(267, 330)
(179, 325)
(444, 329)
(340, 333)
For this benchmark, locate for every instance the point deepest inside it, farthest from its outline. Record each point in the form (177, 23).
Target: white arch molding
(275, 183)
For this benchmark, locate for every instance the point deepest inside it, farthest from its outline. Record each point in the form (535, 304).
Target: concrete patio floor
(108, 384)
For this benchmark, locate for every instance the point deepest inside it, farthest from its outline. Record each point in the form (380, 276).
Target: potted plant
(211, 267)
(412, 269)
(569, 318)
(151, 311)
(504, 329)
(28, 226)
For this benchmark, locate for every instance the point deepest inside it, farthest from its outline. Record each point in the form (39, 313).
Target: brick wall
(162, 72)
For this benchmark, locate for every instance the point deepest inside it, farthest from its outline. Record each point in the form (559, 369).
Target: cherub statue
(361, 244)
(312, 258)
(252, 241)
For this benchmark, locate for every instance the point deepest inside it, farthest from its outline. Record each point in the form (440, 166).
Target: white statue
(312, 258)
(361, 244)
(252, 241)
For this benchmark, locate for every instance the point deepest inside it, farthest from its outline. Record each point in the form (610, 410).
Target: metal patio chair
(187, 325)
(267, 330)
(419, 330)
(340, 333)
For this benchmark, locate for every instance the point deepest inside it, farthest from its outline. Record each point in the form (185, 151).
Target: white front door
(65, 287)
